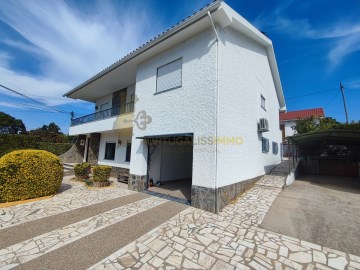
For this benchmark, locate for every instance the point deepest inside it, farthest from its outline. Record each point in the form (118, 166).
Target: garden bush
(26, 174)
(101, 173)
(55, 148)
(82, 170)
(11, 142)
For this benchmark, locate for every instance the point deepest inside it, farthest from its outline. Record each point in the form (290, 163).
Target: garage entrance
(169, 166)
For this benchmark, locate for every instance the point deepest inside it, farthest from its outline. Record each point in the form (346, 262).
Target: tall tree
(11, 125)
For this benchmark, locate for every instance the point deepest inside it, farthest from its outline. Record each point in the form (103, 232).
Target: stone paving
(193, 239)
(30, 249)
(74, 195)
(196, 239)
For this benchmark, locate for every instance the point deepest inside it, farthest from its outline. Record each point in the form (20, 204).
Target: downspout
(217, 112)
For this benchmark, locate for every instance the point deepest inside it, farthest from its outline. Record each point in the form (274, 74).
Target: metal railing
(128, 108)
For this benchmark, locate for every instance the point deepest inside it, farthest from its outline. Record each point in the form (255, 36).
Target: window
(110, 150)
(275, 148)
(262, 102)
(265, 145)
(169, 76)
(128, 152)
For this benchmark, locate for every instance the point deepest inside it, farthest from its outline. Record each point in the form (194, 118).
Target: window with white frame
(265, 145)
(110, 150)
(263, 102)
(275, 148)
(169, 76)
(128, 151)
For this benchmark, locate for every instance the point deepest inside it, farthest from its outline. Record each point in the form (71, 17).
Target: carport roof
(328, 136)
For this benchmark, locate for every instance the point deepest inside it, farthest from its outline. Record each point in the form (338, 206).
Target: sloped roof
(302, 114)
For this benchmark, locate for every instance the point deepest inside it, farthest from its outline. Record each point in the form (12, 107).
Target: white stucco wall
(188, 109)
(244, 75)
(103, 100)
(120, 152)
(289, 131)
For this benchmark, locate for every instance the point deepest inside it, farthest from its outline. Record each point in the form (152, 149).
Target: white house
(200, 102)
(288, 123)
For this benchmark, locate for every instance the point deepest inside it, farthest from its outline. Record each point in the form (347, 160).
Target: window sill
(167, 90)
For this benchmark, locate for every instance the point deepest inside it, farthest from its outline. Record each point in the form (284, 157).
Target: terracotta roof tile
(302, 114)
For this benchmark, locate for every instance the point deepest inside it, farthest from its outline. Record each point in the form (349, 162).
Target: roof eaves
(152, 42)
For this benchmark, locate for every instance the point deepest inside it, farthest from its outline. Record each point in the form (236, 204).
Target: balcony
(105, 114)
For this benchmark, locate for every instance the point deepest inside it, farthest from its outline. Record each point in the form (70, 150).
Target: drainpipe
(217, 111)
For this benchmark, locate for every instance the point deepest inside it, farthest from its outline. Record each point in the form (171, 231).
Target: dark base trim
(213, 200)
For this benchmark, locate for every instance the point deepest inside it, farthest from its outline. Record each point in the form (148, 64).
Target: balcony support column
(94, 148)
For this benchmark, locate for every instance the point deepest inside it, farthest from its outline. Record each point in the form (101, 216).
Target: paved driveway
(120, 229)
(321, 209)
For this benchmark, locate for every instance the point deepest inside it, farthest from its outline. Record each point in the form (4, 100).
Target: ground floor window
(110, 150)
(275, 148)
(265, 145)
(128, 152)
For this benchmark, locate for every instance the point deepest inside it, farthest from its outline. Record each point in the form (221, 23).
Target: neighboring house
(288, 122)
(160, 109)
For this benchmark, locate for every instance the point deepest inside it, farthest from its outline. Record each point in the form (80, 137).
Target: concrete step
(68, 168)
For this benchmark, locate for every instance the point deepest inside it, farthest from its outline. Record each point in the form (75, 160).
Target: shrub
(101, 173)
(26, 174)
(55, 148)
(88, 182)
(82, 170)
(11, 142)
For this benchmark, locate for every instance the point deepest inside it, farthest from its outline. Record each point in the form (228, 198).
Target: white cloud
(71, 44)
(344, 36)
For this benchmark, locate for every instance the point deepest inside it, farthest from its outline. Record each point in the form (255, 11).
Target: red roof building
(302, 114)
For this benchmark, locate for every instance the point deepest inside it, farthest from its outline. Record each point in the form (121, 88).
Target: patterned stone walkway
(40, 245)
(74, 196)
(196, 239)
(192, 239)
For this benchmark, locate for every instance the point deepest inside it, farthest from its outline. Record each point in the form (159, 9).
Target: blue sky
(49, 47)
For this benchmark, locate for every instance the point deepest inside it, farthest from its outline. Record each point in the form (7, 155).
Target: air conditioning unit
(263, 125)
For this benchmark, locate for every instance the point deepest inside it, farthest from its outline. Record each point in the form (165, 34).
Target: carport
(330, 152)
(169, 163)
(322, 205)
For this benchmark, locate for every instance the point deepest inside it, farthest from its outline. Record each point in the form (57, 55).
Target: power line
(314, 93)
(332, 99)
(32, 99)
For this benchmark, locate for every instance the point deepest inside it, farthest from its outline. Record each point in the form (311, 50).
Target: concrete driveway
(320, 209)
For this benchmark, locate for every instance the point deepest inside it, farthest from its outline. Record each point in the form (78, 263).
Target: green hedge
(55, 148)
(12, 142)
(82, 169)
(26, 174)
(101, 173)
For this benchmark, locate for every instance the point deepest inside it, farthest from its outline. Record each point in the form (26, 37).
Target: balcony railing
(128, 108)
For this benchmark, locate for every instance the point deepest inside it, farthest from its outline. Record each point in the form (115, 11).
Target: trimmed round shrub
(82, 170)
(26, 174)
(101, 173)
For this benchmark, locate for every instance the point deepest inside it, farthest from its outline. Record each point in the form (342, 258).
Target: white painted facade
(289, 128)
(222, 82)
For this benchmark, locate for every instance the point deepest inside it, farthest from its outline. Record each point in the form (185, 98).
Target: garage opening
(169, 166)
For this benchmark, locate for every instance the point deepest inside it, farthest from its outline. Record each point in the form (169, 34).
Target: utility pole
(343, 95)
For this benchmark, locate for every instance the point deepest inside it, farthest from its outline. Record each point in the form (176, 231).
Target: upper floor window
(169, 76)
(263, 102)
